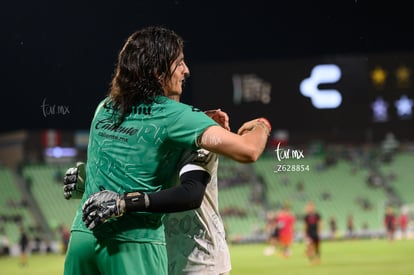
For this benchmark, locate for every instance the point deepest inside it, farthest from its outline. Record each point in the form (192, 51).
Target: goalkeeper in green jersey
(184, 244)
(137, 137)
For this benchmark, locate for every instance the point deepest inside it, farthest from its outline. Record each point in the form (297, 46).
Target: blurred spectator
(365, 233)
(58, 175)
(234, 211)
(36, 245)
(4, 243)
(365, 227)
(364, 203)
(65, 234)
(330, 160)
(350, 226)
(374, 179)
(23, 245)
(389, 147)
(285, 180)
(258, 195)
(332, 227)
(301, 193)
(300, 186)
(326, 195)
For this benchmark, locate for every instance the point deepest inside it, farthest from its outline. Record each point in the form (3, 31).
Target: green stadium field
(369, 257)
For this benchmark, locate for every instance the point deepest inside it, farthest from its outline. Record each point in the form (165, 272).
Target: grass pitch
(370, 257)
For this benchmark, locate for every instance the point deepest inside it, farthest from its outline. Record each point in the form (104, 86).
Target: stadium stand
(400, 173)
(46, 188)
(14, 212)
(247, 193)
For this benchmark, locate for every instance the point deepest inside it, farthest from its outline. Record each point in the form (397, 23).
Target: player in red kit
(390, 222)
(403, 222)
(286, 223)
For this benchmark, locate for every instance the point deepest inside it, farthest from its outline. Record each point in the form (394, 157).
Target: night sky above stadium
(58, 56)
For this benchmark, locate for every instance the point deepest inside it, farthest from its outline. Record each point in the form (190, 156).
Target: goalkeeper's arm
(104, 205)
(186, 196)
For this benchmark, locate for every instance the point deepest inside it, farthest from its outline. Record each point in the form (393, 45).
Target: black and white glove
(105, 205)
(74, 181)
(102, 206)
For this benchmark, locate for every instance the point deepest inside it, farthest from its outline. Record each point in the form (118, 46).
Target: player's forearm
(255, 142)
(245, 147)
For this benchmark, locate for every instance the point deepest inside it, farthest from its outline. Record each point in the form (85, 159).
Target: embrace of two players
(106, 204)
(161, 161)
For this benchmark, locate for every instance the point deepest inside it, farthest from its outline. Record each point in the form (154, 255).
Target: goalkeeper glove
(105, 205)
(74, 181)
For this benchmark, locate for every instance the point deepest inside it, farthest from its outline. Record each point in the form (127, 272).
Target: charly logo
(53, 109)
(289, 154)
(322, 98)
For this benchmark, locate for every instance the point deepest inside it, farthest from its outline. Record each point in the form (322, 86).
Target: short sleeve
(187, 124)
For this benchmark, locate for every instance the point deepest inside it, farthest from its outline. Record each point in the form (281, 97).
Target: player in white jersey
(196, 240)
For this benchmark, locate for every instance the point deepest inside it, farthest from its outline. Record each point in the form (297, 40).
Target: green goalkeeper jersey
(141, 154)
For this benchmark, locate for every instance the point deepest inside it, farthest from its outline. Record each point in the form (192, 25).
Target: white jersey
(196, 241)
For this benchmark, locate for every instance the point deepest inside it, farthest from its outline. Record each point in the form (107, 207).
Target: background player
(312, 233)
(403, 222)
(390, 223)
(273, 230)
(286, 224)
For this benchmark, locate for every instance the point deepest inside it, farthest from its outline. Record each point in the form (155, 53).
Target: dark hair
(143, 64)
